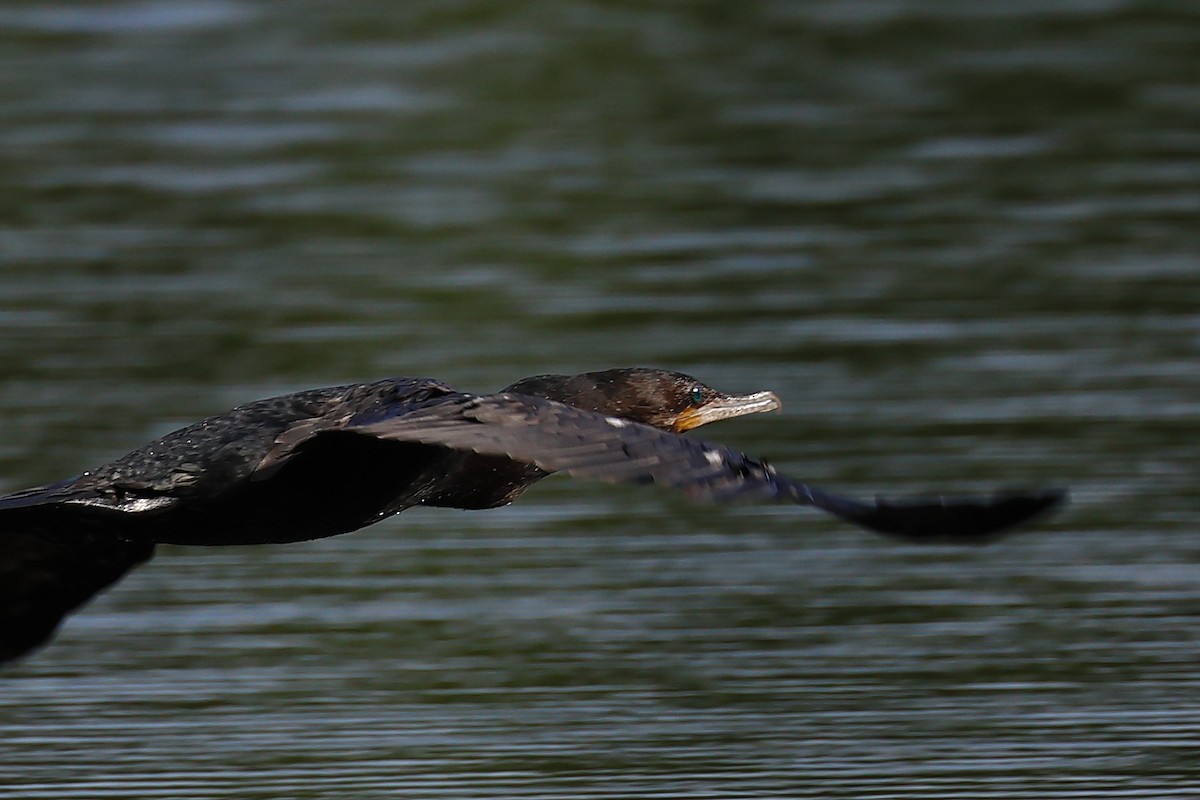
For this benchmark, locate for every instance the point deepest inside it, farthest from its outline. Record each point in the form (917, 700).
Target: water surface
(957, 239)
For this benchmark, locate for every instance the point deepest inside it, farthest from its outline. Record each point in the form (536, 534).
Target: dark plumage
(327, 461)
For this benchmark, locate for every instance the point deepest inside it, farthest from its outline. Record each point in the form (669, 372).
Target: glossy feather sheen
(329, 461)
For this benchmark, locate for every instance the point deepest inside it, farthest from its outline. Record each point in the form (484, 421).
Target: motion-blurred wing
(557, 437)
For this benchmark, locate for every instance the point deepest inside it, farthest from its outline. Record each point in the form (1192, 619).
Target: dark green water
(959, 239)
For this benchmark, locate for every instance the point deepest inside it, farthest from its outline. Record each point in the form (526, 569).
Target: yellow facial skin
(726, 407)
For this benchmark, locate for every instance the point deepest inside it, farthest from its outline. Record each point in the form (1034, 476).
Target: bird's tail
(37, 496)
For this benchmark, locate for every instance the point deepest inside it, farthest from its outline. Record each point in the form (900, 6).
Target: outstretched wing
(44, 576)
(557, 437)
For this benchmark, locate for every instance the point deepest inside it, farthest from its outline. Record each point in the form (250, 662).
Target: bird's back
(198, 484)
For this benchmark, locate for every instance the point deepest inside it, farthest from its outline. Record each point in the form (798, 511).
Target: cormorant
(328, 461)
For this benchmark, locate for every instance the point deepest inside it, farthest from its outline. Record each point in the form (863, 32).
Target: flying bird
(323, 462)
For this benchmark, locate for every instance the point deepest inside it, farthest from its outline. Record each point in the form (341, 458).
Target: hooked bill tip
(727, 407)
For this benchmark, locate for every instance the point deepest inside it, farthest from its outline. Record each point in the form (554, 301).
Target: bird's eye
(697, 396)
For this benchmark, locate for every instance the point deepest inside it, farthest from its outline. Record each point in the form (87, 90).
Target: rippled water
(957, 238)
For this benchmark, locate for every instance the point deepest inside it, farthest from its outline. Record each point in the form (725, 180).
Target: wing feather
(557, 437)
(44, 576)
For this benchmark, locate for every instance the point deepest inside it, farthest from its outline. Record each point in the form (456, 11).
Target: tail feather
(38, 496)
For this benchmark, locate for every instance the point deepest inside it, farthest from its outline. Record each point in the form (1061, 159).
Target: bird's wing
(43, 576)
(557, 437)
(211, 457)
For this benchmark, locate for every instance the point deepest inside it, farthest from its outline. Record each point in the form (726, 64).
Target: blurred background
(958, 238)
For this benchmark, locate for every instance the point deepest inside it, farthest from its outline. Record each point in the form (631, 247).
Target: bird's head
(670, 401)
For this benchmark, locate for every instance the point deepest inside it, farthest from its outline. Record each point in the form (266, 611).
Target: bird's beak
(725, 407)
